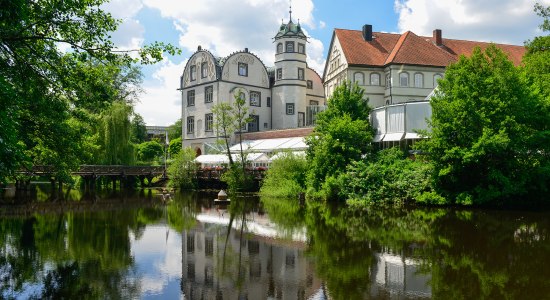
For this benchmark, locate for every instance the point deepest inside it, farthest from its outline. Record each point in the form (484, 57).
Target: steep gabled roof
(409, 48)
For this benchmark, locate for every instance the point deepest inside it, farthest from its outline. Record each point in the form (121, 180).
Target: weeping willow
(115, 135)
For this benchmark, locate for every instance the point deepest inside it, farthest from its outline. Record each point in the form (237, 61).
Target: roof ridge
(397, 47)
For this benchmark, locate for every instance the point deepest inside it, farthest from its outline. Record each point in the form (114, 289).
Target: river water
(145, 245)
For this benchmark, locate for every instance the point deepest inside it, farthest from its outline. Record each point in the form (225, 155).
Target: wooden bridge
(90, 173)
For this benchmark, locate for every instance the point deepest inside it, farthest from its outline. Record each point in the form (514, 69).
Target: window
(374, 79)
(268, 101)
(191, 98)
(204, 69)
(436, 78)
(300, 74)
(403, 79)
(358, 78)
(255, 99)
(193, 72)
(301, 48)
(208, 94)
(418, 80)
(313, 102)
(290, 108)
(279, 74)
(190, 125)
(289, 46)
(243, 69)
(279, 48)
(310, 84)
(254, 124)
(265, 125)
(388, 81)
(209, 122)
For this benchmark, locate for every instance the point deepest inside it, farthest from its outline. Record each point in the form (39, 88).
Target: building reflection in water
(256, 263)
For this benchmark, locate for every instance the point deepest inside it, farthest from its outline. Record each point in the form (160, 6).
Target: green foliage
(175, 146)
(115, 135)
(342, 135)
(286, 177)
(46, 91)
(139, 131)
(230, 118)
(237, 178)
(490, 134)
(150, 151)
(175, 130)
(182, 170)
(388, 178)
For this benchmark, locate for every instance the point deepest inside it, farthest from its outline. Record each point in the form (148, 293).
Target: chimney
(199, 48)
(367, 32)
(438, 38)
(246, 50)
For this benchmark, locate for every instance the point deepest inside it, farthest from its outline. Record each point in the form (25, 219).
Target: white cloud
(129, 34)
(322, 24)
(161, 103)
(501, 21)
(226, 26)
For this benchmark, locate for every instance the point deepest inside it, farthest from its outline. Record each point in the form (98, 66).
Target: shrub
(286, 177)
(182, 170)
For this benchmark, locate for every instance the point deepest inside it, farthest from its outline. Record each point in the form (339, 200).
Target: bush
(286, 177)
(150, 151)
(182, 170)
(389, 178)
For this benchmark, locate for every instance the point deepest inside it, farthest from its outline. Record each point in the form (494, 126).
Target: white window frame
(255, 99)
(191, 98)
(404, 79)
(418, 80)
(290, 109)
(371, 79)
(209, 122)
(190, 124)
(242, 69)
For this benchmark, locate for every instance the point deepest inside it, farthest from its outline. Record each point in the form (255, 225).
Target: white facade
(277, 97)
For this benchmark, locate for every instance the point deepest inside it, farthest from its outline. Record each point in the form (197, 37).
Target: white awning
(393, 137)
(412, 136)
(378, 138)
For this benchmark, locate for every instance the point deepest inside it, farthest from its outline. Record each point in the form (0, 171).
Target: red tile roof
(409, 48)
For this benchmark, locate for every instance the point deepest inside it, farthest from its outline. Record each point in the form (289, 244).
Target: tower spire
(290, 11)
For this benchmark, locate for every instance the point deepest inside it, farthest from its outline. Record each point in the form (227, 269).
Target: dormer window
(290, 47)
(204, 69)
(193, 72)
(243, 69)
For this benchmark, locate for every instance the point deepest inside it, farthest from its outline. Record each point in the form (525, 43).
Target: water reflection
(138, 246)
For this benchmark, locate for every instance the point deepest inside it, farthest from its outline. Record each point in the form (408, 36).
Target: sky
(226, 26)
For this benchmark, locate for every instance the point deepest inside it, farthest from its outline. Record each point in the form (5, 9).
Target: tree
(44, 89)
(115, 135)
(175, 146)
(228, 119)
(342, 134)
(139, 131)
(150, 151)
(175, 130)
(489, 140)
(182, 170)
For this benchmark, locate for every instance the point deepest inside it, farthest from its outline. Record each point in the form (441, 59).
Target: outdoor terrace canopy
(271, 145)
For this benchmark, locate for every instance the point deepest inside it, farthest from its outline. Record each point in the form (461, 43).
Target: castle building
(398, 73)
(287, 95)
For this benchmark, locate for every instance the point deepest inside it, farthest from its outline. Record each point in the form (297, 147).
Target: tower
(289, 90)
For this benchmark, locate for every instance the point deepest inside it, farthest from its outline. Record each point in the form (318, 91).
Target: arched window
(374, 79)
(403, 79)
(280, 48)
(436, 78)
(359, 78)
(289, 46)
(418, 80)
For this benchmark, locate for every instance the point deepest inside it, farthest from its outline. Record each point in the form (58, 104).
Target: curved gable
(255, 72)
(199, 60)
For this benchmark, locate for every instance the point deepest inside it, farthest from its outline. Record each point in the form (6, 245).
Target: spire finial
(290, 11)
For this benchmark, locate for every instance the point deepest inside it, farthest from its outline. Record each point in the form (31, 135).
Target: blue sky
(225, 26)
